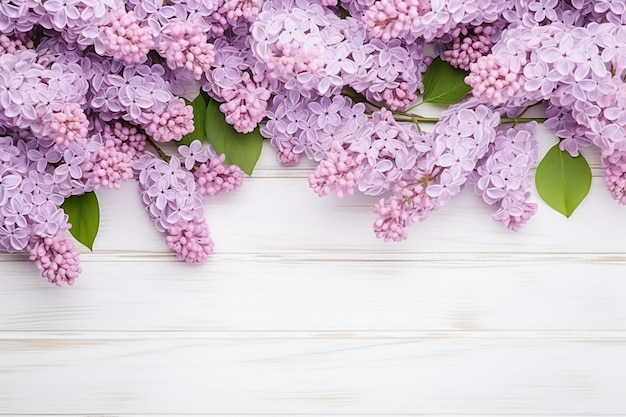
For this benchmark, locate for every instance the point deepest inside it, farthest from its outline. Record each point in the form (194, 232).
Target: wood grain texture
(302, 311)
(282, 295)
(291, 219)
(317, 375)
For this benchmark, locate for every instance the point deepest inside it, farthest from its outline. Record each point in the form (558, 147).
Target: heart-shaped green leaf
(563, 181)
(240, 149)
(444, 84)
(84, 216)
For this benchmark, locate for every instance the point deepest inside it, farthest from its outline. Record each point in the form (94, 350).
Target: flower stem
(159, 151)
(516, 120)
(420, 119)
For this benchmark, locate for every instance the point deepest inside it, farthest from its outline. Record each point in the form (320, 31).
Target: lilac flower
(338, 173)
(172, 123)
(185, 45)
(615, 174)
(14, 238)
(73, 160)
(543, 9)
(387, 19)
(124, 39)
(409, 204)
(245, 106)
(8, 185)
(56, 258)
(16, 210)
(492, 80)
(503, 177)
(213, 177)
(48, 219)
(193, 153)
(190, 240)
(450, 183)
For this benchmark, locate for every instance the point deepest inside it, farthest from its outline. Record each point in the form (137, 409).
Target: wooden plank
(285, 295)
(282, 215)
(429, 375)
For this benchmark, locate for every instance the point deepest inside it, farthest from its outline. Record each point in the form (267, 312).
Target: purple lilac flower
(447, 159)
(168, 190)
(394, 77)
(504, 176)
(615, 174)
(409, 204)
(411, 20)
(297, 44)
(308, 123)
(172, 201)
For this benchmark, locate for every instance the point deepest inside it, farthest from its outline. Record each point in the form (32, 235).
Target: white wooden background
(303, 311)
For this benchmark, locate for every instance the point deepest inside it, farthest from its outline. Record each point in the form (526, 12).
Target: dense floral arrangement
(90, 90)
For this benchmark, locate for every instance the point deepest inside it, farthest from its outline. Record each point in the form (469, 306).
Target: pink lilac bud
(388, 19)
(186, 46)
(615, 174)
(492, 81)
(245, 106)
(246, 9)
(173, 123)
(293, 58)
(232, 11)
(409, 204)
(190, 241)
(9, 45)
(399, 98)
(468, 45)
(287, 156)
(109, 166)
(213, 177)
(127, 137)
(125, 40)
(69, 125)
(56, 258)
(514, 211)
(338, 173)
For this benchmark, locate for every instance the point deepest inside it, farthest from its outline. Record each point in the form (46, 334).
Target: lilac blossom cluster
(86, 89)
(568, 55)
(339, 88)
(503, 177)
(90, 88)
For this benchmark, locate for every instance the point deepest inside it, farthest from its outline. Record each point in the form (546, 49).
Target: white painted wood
(435, 374)
(302, 311)
(282, 215)
(242, 294)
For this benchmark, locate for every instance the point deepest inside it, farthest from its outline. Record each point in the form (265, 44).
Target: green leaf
(562, 180)
(444, 84)
(84, 216)
(199, 121)
(240, 149)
